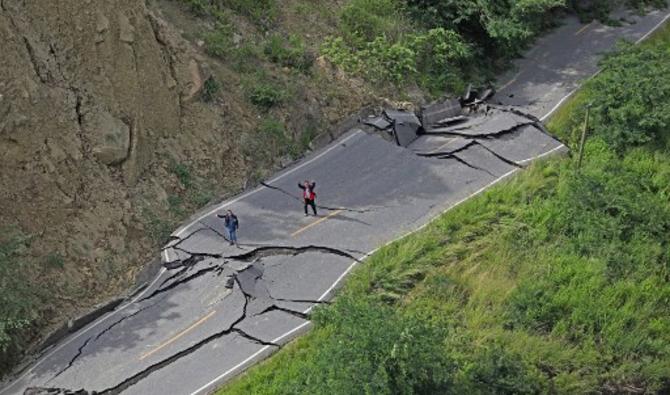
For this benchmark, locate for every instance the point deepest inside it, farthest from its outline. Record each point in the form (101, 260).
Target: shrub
(262, 12)
(198, 7)
(265, 94)
(288, 53)
(210, 89)
(632, 103)
(182, 172)
(18, 295)
(219, 41)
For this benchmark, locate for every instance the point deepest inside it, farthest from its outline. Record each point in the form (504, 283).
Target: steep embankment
(110, 133)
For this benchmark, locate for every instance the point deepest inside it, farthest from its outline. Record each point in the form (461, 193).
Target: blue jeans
(232, 234)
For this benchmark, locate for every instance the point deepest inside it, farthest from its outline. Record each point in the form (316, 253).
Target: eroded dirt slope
(106, 143)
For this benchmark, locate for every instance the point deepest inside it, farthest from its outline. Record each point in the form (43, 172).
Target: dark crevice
(33, 60)
(482, 135)
(55, 391)
(186, 279)
(442, 153)
(195, 255)
(329, 208)
(537, 122)
(301, 300)
(93, 339)
(262, 252)
(171, 242)
(254, 339)
(180, 263)
(76, 356)
(266, 251)
(77, 108)
(295, 313)
(497, 155)
(463, 161)
(119, 321)
(169, 58)
(167, 361)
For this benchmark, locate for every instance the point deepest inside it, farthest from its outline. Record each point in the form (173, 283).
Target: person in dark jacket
(309, 195)
(231, 223)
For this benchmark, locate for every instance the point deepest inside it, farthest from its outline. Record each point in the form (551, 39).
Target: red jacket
(308, 193)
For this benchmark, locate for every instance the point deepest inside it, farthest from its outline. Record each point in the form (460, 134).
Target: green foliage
(265, 93)
(289, 53)
(198, 7)
(158, 225)
(632, 105)
(175, 205)
(55, 260)
(500, 29)
(556, 282)
(262, 12)
(17, 297)
(219, 41)
(182, 172)
(270, 143)
(210, 89)
(363, 21)
(436, 56)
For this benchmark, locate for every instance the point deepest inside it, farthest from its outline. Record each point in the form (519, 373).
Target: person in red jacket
(308, 195)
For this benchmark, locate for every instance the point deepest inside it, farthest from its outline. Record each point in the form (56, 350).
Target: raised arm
(301, 186)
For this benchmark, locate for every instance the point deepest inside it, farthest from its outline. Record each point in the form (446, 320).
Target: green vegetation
(265, 93)
(210, 89)
(290, 52)
(434, 43)
(556, 282)
(19, 299)
(16, 294)
(262, 12)
(192, 192)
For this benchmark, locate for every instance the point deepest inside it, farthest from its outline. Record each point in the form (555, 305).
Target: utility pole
(583, 139)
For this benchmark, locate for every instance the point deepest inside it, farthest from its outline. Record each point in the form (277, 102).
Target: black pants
(310, 202)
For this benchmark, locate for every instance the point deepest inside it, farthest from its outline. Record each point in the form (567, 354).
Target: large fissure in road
(449, 130)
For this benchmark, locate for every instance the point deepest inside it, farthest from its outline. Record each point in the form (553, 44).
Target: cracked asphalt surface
(215, 309)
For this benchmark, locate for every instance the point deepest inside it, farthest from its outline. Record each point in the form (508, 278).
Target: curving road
(215, 309)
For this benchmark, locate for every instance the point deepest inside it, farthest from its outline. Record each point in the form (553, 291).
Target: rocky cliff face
(92, 96)
(99, 106)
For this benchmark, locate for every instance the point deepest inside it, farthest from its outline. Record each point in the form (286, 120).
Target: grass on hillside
(556, 281)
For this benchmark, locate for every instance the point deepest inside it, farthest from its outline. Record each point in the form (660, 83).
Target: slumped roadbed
(216, 309)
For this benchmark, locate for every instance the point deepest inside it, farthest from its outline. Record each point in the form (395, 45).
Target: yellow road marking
(177, 336)
(304, 228)
(583, 29)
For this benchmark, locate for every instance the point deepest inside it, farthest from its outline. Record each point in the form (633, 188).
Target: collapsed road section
(218, 306)
(386, 178)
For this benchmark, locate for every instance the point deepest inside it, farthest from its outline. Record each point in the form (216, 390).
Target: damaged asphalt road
(223, 303)
(216, 309)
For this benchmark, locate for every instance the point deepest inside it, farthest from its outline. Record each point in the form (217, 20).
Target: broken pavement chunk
(406, 126)
(451, 120)
(437, 114)
(379, 122)
(450, 146)
(486, 126)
